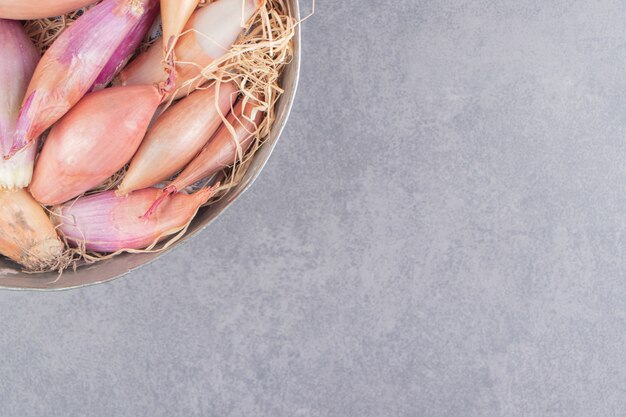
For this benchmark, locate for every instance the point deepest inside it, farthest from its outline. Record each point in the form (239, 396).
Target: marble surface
(441, 232)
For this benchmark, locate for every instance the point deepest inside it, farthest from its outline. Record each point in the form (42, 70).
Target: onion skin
(222, 150)
(26, 234)
(209, 34)
(175, 14)
(128, 47)
(73, 63)
(178, 135)
(107, 223)
(18, 59)
(38, 9)
(92, 142)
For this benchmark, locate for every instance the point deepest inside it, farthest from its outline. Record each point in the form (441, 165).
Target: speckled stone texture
(441, 232)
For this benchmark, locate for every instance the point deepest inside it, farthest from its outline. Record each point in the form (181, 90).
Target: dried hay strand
(255, 63)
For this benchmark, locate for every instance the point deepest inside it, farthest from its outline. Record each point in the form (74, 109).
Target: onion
(26, 234)
(93, 141)
(178, 135)
(18, 59)
(72, 64)
(107, 223)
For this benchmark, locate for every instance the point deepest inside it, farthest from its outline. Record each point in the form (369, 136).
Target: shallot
(178, 135)
(18, 59)
(93, 141)
(26, 234)
(107, 223)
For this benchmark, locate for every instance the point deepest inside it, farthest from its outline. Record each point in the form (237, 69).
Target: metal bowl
(12, 278)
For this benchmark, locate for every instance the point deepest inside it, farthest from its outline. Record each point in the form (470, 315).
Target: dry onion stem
(255, 63)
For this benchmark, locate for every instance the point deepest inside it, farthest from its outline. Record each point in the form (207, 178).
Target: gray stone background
(441, 232)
